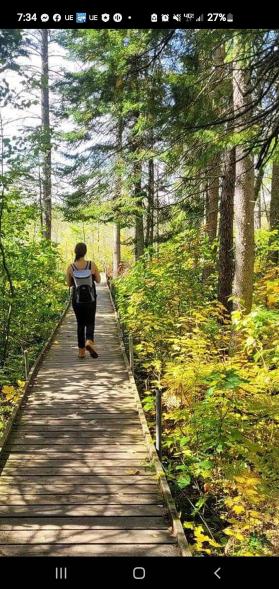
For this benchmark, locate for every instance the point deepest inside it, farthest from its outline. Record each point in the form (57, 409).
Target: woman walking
(82, 275)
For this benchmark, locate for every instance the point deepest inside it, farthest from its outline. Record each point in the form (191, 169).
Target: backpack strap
(90, 264)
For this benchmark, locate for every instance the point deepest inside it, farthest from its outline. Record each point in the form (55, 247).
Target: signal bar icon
(200, 18)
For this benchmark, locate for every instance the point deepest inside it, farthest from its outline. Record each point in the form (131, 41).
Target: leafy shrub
(39, 296)
(220, 383)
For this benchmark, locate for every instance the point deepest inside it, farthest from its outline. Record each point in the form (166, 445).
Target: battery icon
(229, 17)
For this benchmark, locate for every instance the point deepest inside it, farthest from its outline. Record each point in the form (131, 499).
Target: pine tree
(244, 189)
(274, 207)
(46, 134)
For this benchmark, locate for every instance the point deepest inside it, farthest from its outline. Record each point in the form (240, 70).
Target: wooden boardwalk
(77, 480)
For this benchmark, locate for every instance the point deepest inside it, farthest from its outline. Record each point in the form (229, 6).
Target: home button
(138, 573)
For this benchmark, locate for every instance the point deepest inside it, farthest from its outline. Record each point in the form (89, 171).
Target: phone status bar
(118, 17)
(69, 18)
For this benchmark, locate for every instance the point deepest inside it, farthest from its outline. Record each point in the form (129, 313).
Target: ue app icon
(80, 17)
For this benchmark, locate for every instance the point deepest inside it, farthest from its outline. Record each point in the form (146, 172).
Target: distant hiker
(82, 275)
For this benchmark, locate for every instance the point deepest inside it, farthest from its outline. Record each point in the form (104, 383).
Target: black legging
(85, 314)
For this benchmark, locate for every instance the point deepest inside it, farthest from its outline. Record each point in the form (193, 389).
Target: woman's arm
(95, 271)
(69, 277)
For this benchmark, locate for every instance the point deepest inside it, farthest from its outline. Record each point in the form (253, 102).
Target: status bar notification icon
(80, 17)
(117, 17)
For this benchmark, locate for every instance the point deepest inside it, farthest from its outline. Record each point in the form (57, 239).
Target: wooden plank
(123, 469)
(92, 380)
(114, 417)
(35, 462)
(80, 499)
(73, 360)
(80, 416)
(52, 373)
(70, 444)
(76, 401)
(95, 467)
(79, 384)
(95, 406)
(88, 448)
(83, 445)
(109, 397)
(76, 382)
(65, 391)
(58, 453)
(82, 480)
(90, 550)
(89, 405)
(53, 431)
(130, 441)
(62, 487)
(73, 355)
(79, 510)
(102, 413)
(106, 403)
(94, 398)
(104, 363)
(74, 523)
(79, 421)
(76, 436)
(96, 430)
(73, 426)
(23, 434)
(93, 536)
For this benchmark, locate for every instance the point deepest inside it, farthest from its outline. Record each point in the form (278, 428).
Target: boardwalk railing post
(159, 423)
(26, 364)
(131, 352)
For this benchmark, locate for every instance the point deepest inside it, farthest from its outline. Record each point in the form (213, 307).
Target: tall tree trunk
(212, 198)
(7, 324)
(211, 208)
(46, 135)
(139, 230)
(259, 210)
(118, 192)
(116, 249)
(41, 202)
(213, 173)
(244, 198)
(150, 206)
(258, 200)
(265, 208)
(226, 261)
(157, 208)
(274, 207)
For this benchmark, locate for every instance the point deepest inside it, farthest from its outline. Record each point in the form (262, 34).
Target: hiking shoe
(81, 353)
(89, 345)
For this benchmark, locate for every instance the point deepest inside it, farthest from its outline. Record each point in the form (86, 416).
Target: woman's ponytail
(80, 251)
